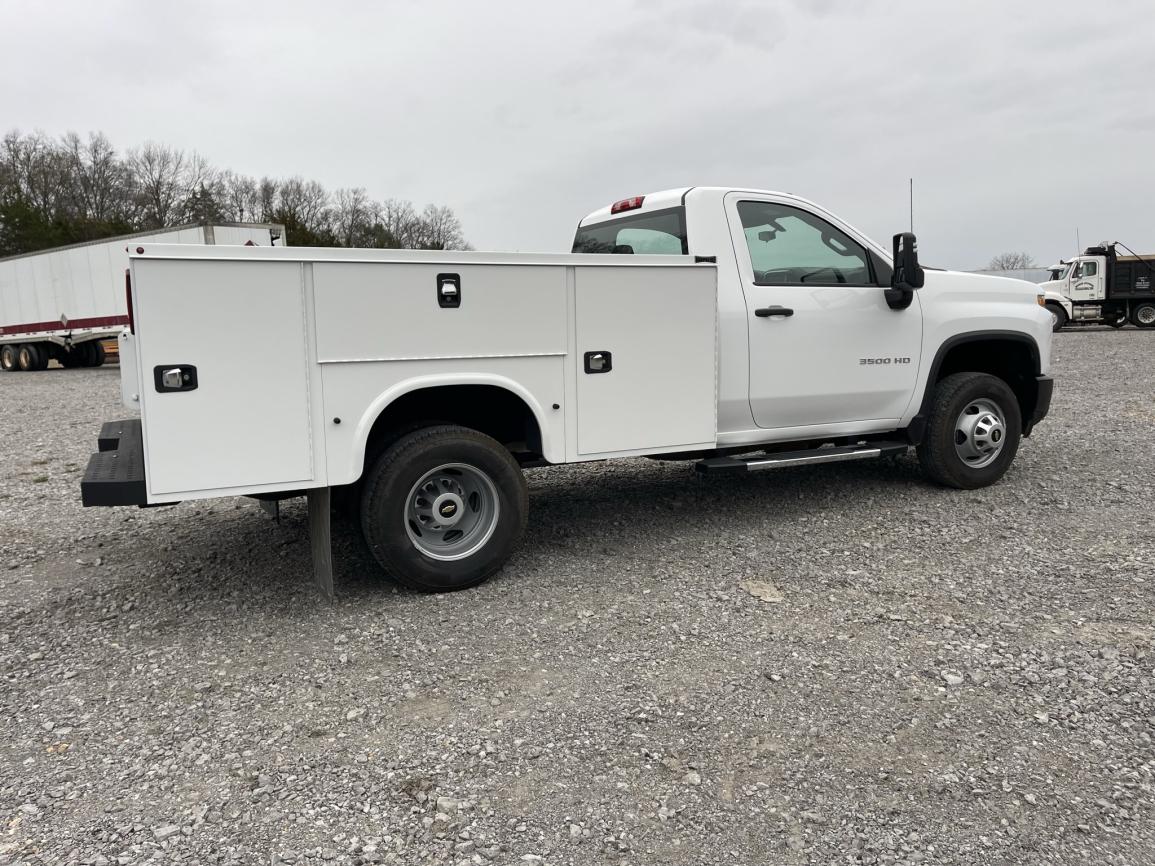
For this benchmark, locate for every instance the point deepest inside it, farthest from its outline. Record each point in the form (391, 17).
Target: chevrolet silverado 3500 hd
(741, 329)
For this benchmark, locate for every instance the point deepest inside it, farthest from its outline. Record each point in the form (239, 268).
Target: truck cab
(813, 339)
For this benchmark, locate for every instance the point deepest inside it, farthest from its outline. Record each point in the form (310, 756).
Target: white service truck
(1102, 288)
(60, 304)
(740, 329)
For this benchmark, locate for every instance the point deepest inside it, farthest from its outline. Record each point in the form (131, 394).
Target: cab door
(1088, 280)
(825, 348)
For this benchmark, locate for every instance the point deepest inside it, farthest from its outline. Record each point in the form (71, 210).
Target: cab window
(790, 246)
(653, 233)
(1090, 269)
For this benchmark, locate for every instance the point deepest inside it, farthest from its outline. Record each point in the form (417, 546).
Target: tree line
(56, 191)
(1012, 262)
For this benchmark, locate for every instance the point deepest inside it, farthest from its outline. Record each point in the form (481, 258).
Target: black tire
(1143, 316)
(85, 354)
(72, 357)
(9, 361)
(1059, 315)
(1119, 321)
(96, 353)
(30, 357)
(938, 455)
(386, 507)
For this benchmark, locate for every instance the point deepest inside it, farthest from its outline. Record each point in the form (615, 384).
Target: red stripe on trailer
(73, 325)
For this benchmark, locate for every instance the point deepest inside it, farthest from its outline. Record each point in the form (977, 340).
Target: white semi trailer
(59, 304)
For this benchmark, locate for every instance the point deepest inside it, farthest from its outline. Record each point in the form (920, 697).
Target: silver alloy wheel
(980, 433)
(452, 511)
(1145, 315)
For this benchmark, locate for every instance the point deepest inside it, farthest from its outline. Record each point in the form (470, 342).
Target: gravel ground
(833, 665)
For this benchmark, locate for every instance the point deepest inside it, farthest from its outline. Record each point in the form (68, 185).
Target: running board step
(865, 451)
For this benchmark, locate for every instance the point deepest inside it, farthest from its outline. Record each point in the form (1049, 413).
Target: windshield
(1058, 271)
(657, 233)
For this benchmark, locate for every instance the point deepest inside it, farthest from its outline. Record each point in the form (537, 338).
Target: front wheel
(973, 431)
(443, 508)
(1058, 316)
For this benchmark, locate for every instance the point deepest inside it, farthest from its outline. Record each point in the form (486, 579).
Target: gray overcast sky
(1019, 121)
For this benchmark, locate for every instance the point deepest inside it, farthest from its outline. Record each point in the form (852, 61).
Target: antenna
(1078, 243)
(912, 205)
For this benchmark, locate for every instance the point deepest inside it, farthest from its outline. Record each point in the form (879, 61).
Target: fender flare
(430, 382)
(918, 423)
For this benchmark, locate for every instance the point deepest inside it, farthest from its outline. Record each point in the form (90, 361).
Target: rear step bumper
(115, 474)
(782, 459)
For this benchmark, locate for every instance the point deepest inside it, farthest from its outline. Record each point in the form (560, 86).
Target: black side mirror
(908, 274)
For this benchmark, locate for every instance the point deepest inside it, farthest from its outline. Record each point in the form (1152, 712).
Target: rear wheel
(8, 358)
(443, 507)
(1144, 315)
(1058, 316)
(95, 353)
(1117, 320)
(31, 356)
(973, 431)
(73, 356)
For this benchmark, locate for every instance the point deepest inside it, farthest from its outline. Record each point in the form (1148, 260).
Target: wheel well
(489, 409)
(1014, 360)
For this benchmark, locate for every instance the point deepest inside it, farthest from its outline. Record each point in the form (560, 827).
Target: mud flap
(320, 541)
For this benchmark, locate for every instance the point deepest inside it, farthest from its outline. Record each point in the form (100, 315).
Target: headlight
(1041, 298)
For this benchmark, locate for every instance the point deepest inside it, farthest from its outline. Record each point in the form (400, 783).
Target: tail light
(128, 298)
(627, 204)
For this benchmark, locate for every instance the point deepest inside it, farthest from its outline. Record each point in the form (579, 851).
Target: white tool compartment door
(655, 330)
(241, 325)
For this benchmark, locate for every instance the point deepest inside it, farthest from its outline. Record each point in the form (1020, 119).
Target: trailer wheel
(1058, 316)
(31, 357)
(972, 433)
(72, 357)
(9, 362)
(1144, 315)
(443, 508)
(84, 354)
(95, 353)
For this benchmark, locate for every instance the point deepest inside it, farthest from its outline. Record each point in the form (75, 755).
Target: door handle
(177, 377)
(598, 362)
(768, 312)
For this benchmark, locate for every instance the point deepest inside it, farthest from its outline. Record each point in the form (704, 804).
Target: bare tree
(35, 171)
(1011, 262)
(401, 223)
(241, 199)
(159, 172)
(352, 216)
(305, 203)
(101, 183)
(442, 229)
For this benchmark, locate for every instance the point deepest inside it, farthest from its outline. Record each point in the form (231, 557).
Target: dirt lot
(943, 677)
